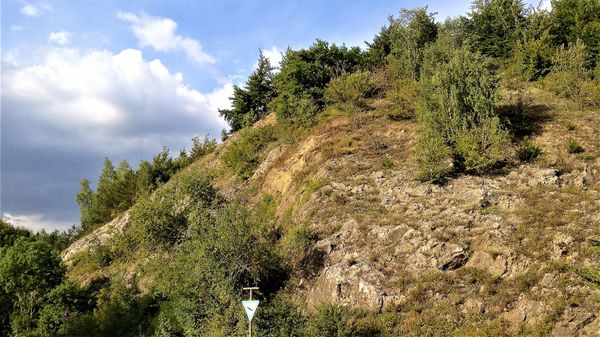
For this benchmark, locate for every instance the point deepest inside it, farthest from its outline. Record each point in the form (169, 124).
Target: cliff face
(521, 244)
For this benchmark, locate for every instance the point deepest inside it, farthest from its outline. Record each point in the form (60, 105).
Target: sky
(89, 79)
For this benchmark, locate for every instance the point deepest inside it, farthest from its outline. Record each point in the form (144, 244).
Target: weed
(573, 146)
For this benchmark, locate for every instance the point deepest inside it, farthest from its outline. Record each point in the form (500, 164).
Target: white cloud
(60, 38)
(160, 34)
(274, 55)
(35, 10)
(34, 222)
(110, 101)
(219, 99)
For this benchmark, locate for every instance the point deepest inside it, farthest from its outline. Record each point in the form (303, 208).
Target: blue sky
(84, 80)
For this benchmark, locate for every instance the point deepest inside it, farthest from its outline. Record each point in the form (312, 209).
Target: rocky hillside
(517, 250)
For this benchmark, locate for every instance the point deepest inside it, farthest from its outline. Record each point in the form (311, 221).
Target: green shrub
(533, 57)
(569, 71)
(573, 146)
(434, 157)
(351, 91)
(333, 320)
(330, 321)
(280, 318)
(570, 126)
(66, 300)
(482, 147)
(529, 150)
(303, 77)
(401, 99)
(296, 109)
(156, 222)
(247, 152)
(459, 114)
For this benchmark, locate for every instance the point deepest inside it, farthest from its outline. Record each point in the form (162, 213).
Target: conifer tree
(250, 102)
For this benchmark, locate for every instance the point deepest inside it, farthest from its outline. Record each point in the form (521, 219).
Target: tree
(28, 270)
(125, 187)
(411, 32)
(573, 20)
(460, 106)
(105, 201)
(85, 198)
(495, 25)
(202, 147)
(63, 302)
(305, 73)
(250, 102)
(9, 234)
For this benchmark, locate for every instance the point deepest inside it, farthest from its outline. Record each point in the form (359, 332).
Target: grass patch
(247, 152)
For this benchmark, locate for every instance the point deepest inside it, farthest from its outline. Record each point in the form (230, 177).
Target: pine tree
(250, 102)
(495, 25)
(85, 198)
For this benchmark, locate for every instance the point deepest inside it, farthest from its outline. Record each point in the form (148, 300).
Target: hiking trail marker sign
(250, 307)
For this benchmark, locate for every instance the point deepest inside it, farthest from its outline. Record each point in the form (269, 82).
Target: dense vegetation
(206, 246)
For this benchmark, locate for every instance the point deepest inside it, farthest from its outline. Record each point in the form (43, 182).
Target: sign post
(250, 308)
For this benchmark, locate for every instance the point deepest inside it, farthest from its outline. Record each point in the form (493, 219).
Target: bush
(459, 113)
(434, 157)
(569, 71)
(533, 57)
(156, 222)
(529, 150)
(573, 146)
(66, 300)
(350, 91)
(303, 77)
(482, 147)
(401, 99)
(247, 152)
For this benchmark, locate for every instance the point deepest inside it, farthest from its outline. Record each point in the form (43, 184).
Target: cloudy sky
(84, 80)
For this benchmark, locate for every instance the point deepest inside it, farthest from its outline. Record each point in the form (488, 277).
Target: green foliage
(590, 274)
(160, 220)
(573, 146)
(279, 318)
(495, 25)
(401, 98)
(533, 57)
(66, 300)
(483, 146)
(202, 147)
(350, 91)
(569, 71)
(201, 284)
(245, 154)
(120, 311)
(28, 270)
(460, 110)
(434, 156)
(529, 150)
(574, 20)
(9, 234)
(332, 320)
(250, 103)
(304, 74)
(410, 33)
(115, 193)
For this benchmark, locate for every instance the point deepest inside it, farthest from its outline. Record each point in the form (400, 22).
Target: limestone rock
(576, 323)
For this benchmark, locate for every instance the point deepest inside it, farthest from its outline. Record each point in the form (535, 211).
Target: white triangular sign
(250, 307)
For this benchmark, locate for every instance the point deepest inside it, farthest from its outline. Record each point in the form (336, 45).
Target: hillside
(442, 181)
(518, 246)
